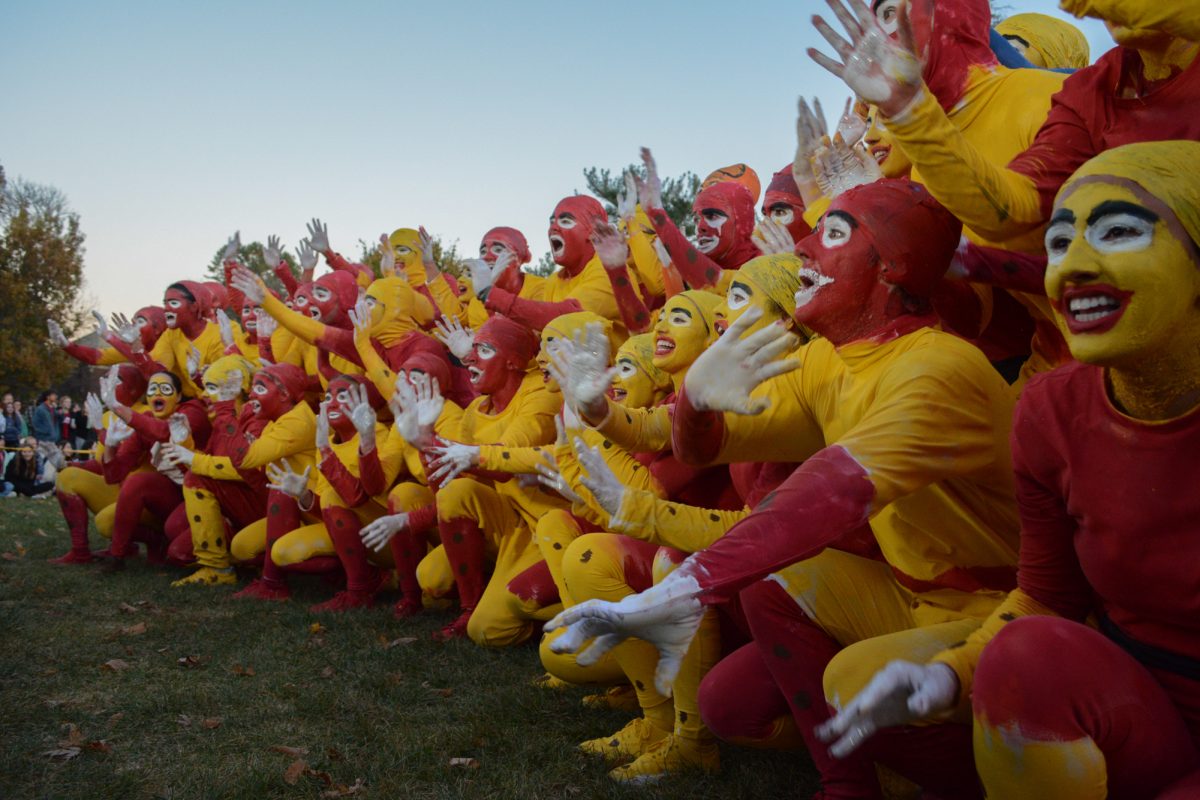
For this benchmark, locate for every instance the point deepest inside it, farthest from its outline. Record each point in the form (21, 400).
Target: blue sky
(169, 125)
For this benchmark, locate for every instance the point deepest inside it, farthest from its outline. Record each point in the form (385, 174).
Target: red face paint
(337, 406)
(182, 311)
(131, 384)
(151, 322)
(250, 319)
(276, 389)
(502, 352)
(724, 214)
(498, 240)
(570, 226)
(783, 203)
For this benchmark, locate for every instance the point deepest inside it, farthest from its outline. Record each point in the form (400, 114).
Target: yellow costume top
(172, 349)
(290, 437)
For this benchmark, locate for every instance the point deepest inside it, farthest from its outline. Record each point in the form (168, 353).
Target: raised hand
(101, 324)
(667, 615)
(879, 70)
(266, 324)
(650, 190)
(725, 374)
(851, 127)
(307, 256)
(377, 533)
(387, 256)
(838, 167)
(321, 437)
(57, 337)
(811, 134)
(127, 332)
(231, 387)
(481, 277)
(580, 368)
(363, 417)
(272, 254)
(108, 387)
(771, 238)
(610, 245)
(627, 198)
(180, 428)
(232, 247)
(225, 327)
(551, 477)
(900, 693)
(360, 318)
(416, 405)
(450, 332)
(194, 361)
(248, 284)
(449, 459)
(286, 480)
(318, 235)
(600, 480)
(95, 412)
(426, 242)
(118, 431)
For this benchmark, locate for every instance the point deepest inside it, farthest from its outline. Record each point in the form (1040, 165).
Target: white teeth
(1080, 304)
(706, 244)
(1091, 317)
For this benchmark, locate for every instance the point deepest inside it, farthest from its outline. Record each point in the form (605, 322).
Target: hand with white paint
(127, 332)
(101, 325)
(95, 412)
(667, 615)
(416, 405)
(772, 238)
(176, 455)
(449, 459)
(179, 427)
(880, 71)
(481, 277)
(838, 167)
(610, 246)
(378, 533)
(318, 235)
(360, 320)
(550, 477)
(308, 258)
(225, 327)
(232, 247)
(899, 694)
(458, 340)
(248, 284)
(387, 257)
(272, 254)
(108, 387)
(285, 479)
(57, 337)
(266, 324)
(194, 361)
(811, 133)
(725, 374)
(650, 190)
(362, 416)
(580, 368)
(427, 260)
(627, 198)
(600, 480)
(851, 127)
(231, 387)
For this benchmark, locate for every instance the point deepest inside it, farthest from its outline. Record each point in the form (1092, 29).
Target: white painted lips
(812, 281)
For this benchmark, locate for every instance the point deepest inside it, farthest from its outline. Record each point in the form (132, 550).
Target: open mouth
(159, 405)
(256, 407)
(881, 153)
(476, 374)
(720, 325)
(315, 313)
(1093, 309)
(663, 346)
(557, 244)
(618, 395)
(169, 317)
(706, 244)
(251, 325)
(811, 282)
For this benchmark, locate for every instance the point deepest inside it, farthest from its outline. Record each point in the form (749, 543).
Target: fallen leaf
(323, 777)
(128, 609)
(187, 662)
(74, 736)
(341, 790)
(333, 754)
(327, 672)
(316, 628)
(244, 672)
(115, 718)
(401, 641)
(20, 548)
(292, 774)
(65, 753)
(115, 665)
(7, 556)
(184, 720)
(211, 723)
(162, 649)
(134, 630)
(468, 763)
(99, 746)
(435, 690)
(40, 532)
(294, 752)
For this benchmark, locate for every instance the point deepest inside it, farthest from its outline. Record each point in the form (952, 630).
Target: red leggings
(143, 492)
(1051, 683)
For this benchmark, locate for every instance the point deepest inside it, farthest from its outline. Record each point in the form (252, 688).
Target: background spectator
(46, 425)
(27, 474)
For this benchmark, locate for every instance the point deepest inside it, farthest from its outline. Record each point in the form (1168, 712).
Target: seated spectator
(26, 474)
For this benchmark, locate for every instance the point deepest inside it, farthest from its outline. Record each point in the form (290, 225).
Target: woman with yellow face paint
(1046, 42)
(1062, 709)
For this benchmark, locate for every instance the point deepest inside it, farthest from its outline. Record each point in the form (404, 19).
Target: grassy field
(119, 686)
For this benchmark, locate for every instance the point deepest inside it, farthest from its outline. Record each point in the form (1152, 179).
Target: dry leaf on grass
(243, 672)
(40, 532)
(333, 754)
(211, 723)
(327, 673)
(63, 753)
(184, 720)
(341, 790)
(21, 551)
(398, 642)
(292, 774)
(74, 736)
(134, 630)
(435, 690)
(100, 746)
(468, 763)
(294, 752)
(316, 628)
(117, 717)
(115, 665)
(187, 662)
(7, 556)
(128, 609)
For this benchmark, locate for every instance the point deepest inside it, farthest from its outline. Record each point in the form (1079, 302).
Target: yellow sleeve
(1179, 18)
(218, 467)
(533, 287)
(645, 261)
(516, 460)
(292, 433)
(391, 459)
(110, 356)
(375, 368)
(450, 424)
(689, 528)
(639, 430)
(533, 425)
(964, 656)
(301, 325)
(991, 200)
(446, 300)
(163, 351)
(591, 288)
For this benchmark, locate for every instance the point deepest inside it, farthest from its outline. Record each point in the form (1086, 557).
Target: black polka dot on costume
(607, 444)
(275, 509)
(641, 687)
(714, 517)
(229, 429)
(196, 518)
(628, 418)
(220, 466)
(558, 545)
(463, 569)
(671, 510)
(782, 652)
(585, 557)
(199, 495)
(683, 717)
(457, 537)
(204, 545)
(219, 542)
(339, 523)
(801, 700)
(505, 455)
(710, 274)
(1008, 616)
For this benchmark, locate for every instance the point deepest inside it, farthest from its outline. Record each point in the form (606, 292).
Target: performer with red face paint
(504, 251)
(899, 426)
(580, 285)
(81, 488)
(148, 324)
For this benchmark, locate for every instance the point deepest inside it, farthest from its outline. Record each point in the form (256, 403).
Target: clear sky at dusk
(169, 125)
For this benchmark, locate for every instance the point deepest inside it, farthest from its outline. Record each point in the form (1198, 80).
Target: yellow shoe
(619, 698)
(628, 743)
(671, 755)
(209, 576)
(549, 681)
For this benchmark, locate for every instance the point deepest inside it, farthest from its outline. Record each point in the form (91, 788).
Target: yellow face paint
(407, 244)
(744, 293)
(566, 326)
(684, 329)
(1123, 275)
(161, 395)
(883, 148)
(638, 383)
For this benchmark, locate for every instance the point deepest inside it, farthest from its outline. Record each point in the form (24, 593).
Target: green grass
(204, 727)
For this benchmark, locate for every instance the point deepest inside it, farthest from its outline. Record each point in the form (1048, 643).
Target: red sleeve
(339, 262)
(1064, 142)
(370, 471)
(236, 298)
(696, 436)
(827, 497)
(129, 456)
(284, 272)
(140, 360)
(535, 314)
(1017, 272)
(345, 484)
(634, 313)
(150, 427)
(340, 342)
(422, 519)
(697, 269)
(88, 355)
(1047, 568)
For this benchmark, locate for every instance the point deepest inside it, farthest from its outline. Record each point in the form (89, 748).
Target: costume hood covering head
(374, 398)
(218, 295)
(404, 310)
(1052, 43)
(705, 303)
(913, 234)
(736, 203)
(735, 173)
(344, 288)
(954, 35)
(431, 365)
(200, 295)
(783, 189)
(158, 323)
(220, 370)
(514, 240)
(293, 379)
(1164, 170)
(778, 276)
(640, 350)
(511, 338)
(567, 326)
(131, 384)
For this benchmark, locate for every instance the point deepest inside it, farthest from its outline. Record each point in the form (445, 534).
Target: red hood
(960, 40)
